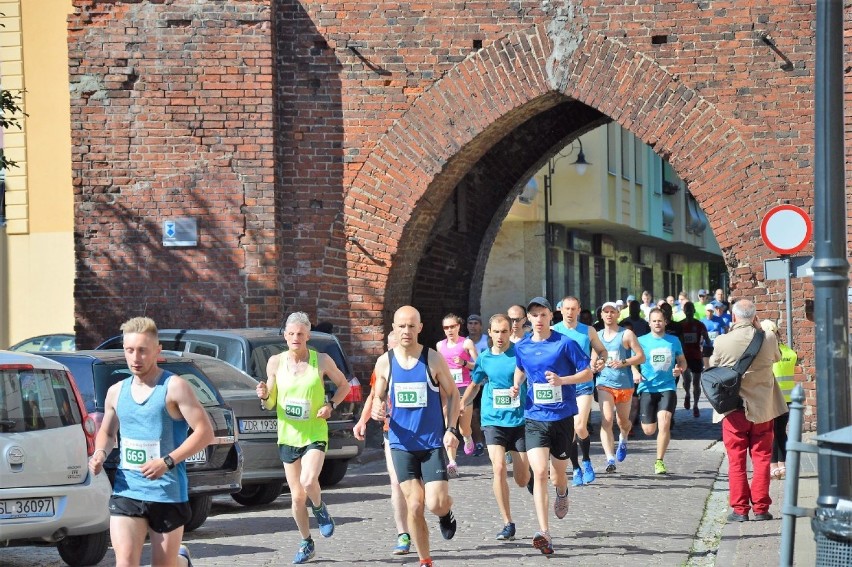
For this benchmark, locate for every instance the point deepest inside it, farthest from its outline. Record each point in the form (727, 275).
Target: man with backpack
(749, 428)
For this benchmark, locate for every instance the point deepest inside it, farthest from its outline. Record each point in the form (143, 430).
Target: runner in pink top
(460, 354)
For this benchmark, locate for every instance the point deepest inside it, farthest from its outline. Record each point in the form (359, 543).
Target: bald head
(407, 326)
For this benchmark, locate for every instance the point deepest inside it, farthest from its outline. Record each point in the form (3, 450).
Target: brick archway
(395, 198)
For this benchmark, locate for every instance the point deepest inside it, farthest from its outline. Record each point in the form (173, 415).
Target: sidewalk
(749, 544)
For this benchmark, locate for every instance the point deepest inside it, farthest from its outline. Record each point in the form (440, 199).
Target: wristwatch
(332, 404)
(170, 462)
(453, 430)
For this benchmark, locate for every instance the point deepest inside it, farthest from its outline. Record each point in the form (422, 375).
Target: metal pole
(548, 179)
(831, 269)
(788, 281)
(791, 484)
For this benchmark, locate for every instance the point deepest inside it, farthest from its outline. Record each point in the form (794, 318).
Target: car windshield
(108, 374)
(226, 377)
(35, 399)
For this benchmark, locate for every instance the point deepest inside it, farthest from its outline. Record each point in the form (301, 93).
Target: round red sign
(786, 229)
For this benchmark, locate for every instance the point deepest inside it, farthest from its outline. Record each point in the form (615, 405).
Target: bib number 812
(406, 397)
(135, 456)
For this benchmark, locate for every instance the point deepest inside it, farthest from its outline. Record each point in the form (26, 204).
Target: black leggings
(779, 444)
(693, 376)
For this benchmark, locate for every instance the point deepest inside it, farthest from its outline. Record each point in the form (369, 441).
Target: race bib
(136, 452)
(547, 394)
(458, 376)
(712, 335)
(410, 395)
(297, 409)
(611, 355)
(690, 338)
(661, 359)
(502, 399)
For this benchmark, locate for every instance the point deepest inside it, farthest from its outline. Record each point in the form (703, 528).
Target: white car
(46, 439)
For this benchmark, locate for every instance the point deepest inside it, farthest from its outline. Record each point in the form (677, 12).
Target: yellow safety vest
(785, 370)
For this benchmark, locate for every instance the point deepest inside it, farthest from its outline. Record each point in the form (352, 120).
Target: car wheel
(333, 471)
(200, 506)
(258, 494)
(83, 550)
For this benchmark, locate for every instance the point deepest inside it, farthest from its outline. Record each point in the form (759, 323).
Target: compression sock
(586, 447)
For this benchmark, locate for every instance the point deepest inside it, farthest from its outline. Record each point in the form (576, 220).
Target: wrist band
(96, 451)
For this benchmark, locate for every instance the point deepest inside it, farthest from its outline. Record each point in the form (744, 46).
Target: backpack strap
(748, 356)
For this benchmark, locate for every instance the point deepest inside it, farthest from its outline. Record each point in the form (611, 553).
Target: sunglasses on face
(516, 319)
(447, 327)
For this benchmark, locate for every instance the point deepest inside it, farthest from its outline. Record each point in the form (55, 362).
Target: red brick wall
(324, 146)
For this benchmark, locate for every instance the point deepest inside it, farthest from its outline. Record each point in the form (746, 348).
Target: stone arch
(395, 197)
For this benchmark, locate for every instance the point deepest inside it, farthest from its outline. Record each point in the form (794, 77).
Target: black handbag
(721, 384)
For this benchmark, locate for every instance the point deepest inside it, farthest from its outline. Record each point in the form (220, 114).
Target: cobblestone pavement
(631, 517)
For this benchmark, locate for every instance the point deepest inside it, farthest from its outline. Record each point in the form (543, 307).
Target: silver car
(46, 439)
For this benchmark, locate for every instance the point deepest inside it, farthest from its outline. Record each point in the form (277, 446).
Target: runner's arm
(330, 369)
(680, 366)
(380, 389)
(266, 391)
(107, 434)
(632, 342)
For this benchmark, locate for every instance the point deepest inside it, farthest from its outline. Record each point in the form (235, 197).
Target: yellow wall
(38, 272)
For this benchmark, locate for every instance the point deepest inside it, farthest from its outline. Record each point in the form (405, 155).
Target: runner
(149, 414)
(480, 340)
(400, 510)
(518, 317)
(502, 415)
(460, 354)
(295, 387)
(615, 384)
(656, 379)
(418, 379)
(587, 338)
(553, 363)
(694, 335)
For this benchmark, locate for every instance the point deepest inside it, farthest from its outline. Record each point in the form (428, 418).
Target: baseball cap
(609, 304)
(702, 292)
(538, 301)
(619, 303)
(709, 307)
(629, 298)
(474, 317)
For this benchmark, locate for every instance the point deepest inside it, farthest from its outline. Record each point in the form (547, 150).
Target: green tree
(10, 117)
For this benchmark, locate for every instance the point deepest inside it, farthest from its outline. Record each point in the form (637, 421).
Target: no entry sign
(786, 229)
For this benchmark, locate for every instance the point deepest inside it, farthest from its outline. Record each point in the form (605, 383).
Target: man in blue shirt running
(551, 363)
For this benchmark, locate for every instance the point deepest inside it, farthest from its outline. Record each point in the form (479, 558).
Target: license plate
(199, 457)
(258, 425)
(27, 508)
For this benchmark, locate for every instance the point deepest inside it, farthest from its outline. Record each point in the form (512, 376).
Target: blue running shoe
(588, 472)
(184, 552)
(508, 458)
(324, 520)
(403, 544)
(621, 452)
(306, 552)
(508, 533)
(479, 450)
(577, 480)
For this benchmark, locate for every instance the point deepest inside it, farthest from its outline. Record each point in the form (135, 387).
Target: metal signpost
(787, 229)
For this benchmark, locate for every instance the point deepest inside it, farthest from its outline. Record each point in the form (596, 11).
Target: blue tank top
(417, 420)
(621, 378)
(580, 335)
(148, 432)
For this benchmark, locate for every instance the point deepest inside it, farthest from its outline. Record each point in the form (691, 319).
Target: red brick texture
(346, 158)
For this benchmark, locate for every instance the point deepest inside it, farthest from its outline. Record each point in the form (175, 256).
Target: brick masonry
(346, 158)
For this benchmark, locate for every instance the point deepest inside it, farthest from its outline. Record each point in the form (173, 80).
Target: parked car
(214, 470)
(249, 350)
(46, 439)
(64, 342)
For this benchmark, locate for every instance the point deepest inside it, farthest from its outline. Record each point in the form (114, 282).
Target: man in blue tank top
(152, 411)
(419, 382)
(588, 340)
(552, 364)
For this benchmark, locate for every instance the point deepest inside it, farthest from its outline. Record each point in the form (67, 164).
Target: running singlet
(580, 335)
(459, 372)
(298, 398)
(417, 421)
(660, 358)
(147, 433)
(497, 371)
(714, 326)
(692, 332)
(558, 354)
(619, 378)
